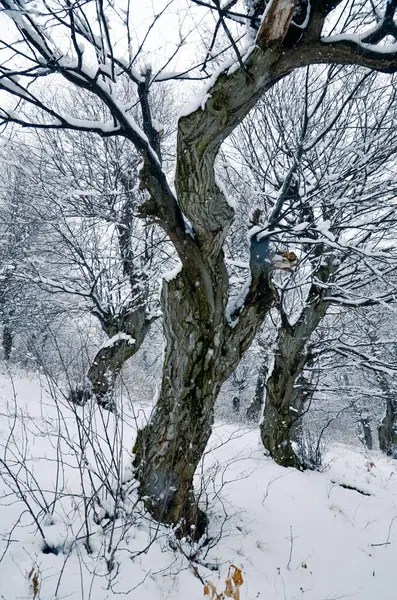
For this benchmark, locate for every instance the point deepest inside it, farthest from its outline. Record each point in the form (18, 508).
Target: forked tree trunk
(202, 346)
(285, 400)
(202, 350)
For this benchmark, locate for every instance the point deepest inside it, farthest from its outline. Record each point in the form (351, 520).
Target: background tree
(83, 192)
(334, 210)
(23, 307)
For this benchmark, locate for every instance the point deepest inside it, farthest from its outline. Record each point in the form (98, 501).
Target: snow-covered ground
(294, 535)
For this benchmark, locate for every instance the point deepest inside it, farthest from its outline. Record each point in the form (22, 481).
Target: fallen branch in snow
(387, 542)
(351, 487)
(383, 544)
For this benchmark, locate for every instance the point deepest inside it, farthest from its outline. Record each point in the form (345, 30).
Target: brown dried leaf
(237, 576)
(36, 585)
(291, 256)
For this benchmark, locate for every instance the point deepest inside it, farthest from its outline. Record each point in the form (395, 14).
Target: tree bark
(126, 335)
(387, 430)
(7, 340)
(202, 350)
(284, 398)
(281, 398)
(105, 368)
(169, 448)
(366, 435)
(255, 408)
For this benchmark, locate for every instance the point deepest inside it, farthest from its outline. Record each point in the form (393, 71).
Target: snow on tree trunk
(284, 398)
(126, 336)
(202, 350)
(366, 435)
(106, 366)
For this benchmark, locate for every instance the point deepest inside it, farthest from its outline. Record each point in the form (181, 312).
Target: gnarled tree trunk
(203, 345)
(285, 400)
(107, 364)
(126, 336)
(203, 348)
(168, 450)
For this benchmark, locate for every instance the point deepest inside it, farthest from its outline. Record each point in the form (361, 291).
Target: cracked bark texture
(202, 351)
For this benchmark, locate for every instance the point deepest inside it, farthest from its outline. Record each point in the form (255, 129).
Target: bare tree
(372, 344)
(82, 192)
(334, 210)
(204, 341)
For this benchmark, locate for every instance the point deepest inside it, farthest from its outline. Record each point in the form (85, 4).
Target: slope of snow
(295, 535)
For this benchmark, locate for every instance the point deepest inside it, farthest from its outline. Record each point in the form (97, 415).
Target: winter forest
(198, 299)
